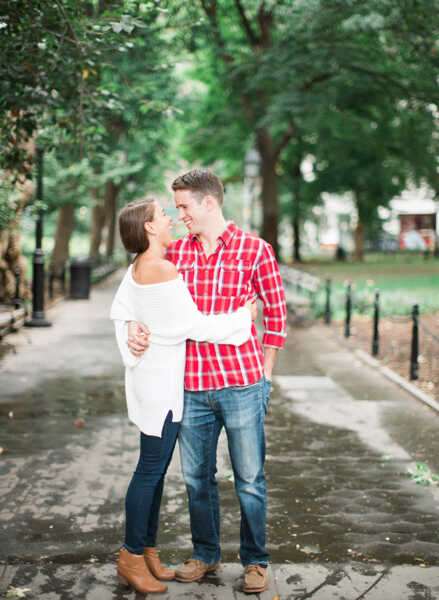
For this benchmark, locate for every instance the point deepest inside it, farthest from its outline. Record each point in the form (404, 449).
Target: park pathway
(346, 520)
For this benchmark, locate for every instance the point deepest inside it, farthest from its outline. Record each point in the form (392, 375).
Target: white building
(337, 217)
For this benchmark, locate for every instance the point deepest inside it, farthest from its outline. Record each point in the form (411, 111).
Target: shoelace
(255, 568)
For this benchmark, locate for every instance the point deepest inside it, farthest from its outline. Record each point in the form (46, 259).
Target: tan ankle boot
(154, 564)
(132, 570)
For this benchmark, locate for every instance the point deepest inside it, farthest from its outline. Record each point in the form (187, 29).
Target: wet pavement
(344, 514)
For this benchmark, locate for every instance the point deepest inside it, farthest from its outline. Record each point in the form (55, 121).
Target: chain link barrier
(426, 330)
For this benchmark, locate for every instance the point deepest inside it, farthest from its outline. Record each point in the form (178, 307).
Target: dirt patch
(394, 346)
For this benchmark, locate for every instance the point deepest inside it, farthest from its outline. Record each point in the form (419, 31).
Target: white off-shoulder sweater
(154, 382)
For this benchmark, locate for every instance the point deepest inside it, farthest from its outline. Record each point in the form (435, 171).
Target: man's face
(191, 212)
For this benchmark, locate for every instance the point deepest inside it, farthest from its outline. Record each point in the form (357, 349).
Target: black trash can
(80, 278)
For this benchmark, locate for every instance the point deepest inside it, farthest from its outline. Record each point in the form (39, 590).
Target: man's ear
(210, 201)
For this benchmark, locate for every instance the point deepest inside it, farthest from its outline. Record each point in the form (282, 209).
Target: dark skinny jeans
(144, 495)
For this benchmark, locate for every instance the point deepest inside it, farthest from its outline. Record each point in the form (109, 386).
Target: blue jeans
(144, 495)
(241, 410)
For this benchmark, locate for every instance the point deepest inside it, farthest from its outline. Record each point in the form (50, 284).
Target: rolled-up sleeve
(267, 283)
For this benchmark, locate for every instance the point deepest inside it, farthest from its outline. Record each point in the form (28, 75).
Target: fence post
(328, 302)
(17, 299)
(414, 352)
(63, 279)
(376, 321)
(312, 299)
(347, 323)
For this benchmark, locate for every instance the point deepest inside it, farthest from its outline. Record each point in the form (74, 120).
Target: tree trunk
(11, 258)
(97, 226)
(269, 196)
(111, 193)
(296, 241)
(359, 231)
(359, 241)
(64, 229)
(297, 178)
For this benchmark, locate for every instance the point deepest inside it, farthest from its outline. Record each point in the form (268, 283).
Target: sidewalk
(345, 520)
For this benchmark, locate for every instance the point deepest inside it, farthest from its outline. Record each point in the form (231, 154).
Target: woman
(152, 292)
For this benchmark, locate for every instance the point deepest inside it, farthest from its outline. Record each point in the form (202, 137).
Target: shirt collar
(225, 237)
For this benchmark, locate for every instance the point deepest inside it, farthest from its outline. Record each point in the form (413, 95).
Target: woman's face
(162, 224)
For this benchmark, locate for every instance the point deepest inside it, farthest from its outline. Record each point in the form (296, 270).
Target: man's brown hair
(131, 220)
(201, 182)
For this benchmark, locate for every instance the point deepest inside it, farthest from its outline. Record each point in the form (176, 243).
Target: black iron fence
(411, 327)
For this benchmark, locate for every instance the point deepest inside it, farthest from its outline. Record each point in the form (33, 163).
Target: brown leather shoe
(154, 564)
(255, 579)
(132, 571)
(194, 570)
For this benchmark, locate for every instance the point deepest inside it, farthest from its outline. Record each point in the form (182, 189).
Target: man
(225, 386)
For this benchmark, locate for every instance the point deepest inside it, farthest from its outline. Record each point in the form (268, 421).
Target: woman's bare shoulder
(154, 271)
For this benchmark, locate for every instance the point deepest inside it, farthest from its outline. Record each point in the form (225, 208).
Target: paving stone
(98, 582)
(357, 582)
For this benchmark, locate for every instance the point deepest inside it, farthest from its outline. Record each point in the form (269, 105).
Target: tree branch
(67, 20)
(252, 37)
(376, 74)
(265, 20)
(317, 79)
(210, 9)
(289, 133)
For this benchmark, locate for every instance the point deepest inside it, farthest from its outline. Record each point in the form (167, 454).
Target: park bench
(300, 289)
(101, 271)
(11, 319)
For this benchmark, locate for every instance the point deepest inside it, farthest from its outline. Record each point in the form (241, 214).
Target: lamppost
(38, 317)
(252, 164)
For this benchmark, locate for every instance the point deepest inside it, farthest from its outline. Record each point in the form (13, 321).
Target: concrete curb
(389, 374)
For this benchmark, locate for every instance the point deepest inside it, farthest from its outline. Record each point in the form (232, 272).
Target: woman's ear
(149, 227)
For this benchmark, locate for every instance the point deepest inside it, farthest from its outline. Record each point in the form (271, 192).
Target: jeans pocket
(267, 393)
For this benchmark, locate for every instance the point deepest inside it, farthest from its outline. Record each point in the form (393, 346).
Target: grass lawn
(403, 279)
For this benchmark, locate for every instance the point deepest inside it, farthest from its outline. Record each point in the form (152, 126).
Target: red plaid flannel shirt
(241, 266)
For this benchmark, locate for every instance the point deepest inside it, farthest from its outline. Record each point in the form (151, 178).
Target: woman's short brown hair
(131, 220)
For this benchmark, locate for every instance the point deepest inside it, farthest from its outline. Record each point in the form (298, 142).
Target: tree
(140, 89)
(299, 194)
(378, 155)
(49, 51)
(233, 39)
(377, 66)
(66, 187)
(277, 64)
(92, 81)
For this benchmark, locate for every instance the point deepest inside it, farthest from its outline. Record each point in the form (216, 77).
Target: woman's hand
(253, 308)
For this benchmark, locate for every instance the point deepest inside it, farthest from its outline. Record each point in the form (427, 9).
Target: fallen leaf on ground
(311, 549)
(422, 475)
(79, 423)
(17, 592)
